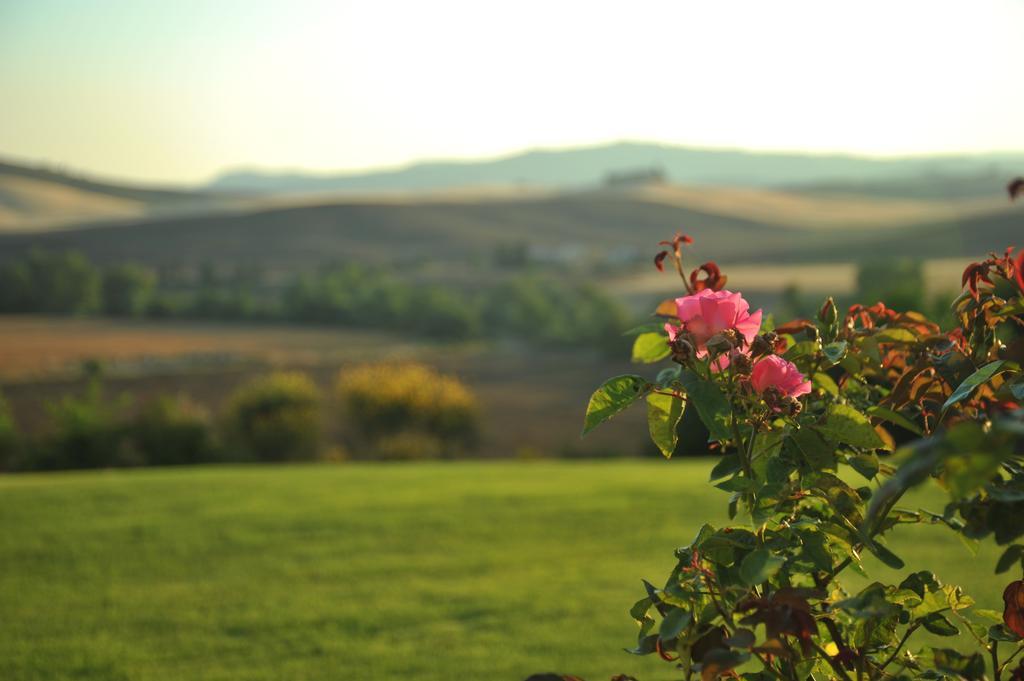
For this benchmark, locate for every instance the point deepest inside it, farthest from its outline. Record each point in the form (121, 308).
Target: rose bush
(798, 413)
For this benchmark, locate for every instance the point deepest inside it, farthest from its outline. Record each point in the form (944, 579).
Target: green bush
(172, 430)
(275, 418)
(86, 431)
(899, 282)
(381, 401)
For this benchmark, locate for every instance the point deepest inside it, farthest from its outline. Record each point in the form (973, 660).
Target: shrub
(799, 414)
(172, 430)
(275, 418)
(86, 432)
(899, 282)
(382, 400)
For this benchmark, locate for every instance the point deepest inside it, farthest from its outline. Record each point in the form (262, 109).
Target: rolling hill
(37, 199)
(930, 176)
(608, 226)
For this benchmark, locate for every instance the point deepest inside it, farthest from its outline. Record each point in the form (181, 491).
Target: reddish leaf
(794, 327)
(1013, 613)
(659, 260)
(1018, 270)
(1015, 188)
(713, 280)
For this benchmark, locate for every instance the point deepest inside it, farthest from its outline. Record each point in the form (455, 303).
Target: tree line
(543, 309)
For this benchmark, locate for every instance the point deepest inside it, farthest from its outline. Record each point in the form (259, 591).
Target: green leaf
(650, 347)
(639, 610)
(866, 464)
(835, 352)
(737, 483)
(759, 566)
(727, 465)
(668, 375)
(741, 638)
(896, 335)
(965, 472)
(645, 646)
(999, 632)
(1014, 308)
(894, 417)
(805, 348)
(959, 665)
(711, 404)
(810, 447)
(885, 555)
(939, 625)
(824, 382)
(972, 382)
(663, 414)
(674, 623)
(717, 661)
(1010, 556)
(1017, 390)
(845, 424)
(611, 398)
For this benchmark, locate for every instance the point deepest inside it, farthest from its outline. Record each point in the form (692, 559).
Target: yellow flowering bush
(382, 401)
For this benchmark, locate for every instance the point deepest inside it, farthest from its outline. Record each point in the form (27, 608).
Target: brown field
(763, 284)
(36, 347)
(532, 401)
(817, 211)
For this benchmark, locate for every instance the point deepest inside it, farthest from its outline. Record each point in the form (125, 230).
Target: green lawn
(417, 571)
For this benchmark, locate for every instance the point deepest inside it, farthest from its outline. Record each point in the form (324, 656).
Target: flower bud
(829, 313)
(764, 344)
(720, 343)
(741, 364)
(790, 405)
(682, 349)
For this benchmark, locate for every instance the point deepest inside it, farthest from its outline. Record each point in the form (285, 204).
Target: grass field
(425, 572)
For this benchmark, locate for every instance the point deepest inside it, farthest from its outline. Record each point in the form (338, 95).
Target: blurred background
(261, 232)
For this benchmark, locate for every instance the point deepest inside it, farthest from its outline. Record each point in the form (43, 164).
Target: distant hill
(40, 198)
(588, 166)
(574, 229)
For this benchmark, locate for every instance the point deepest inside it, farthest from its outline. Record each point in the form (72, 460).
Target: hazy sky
(179, 90)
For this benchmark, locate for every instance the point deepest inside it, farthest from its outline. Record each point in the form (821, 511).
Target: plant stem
(910, 630)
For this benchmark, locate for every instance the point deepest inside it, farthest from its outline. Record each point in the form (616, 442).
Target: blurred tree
(127, 290)
(900, 283)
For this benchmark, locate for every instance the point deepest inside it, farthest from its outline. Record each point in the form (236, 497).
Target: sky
(177, 92)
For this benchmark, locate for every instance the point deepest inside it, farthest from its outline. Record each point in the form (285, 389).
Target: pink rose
(774, 372)
(708, 312)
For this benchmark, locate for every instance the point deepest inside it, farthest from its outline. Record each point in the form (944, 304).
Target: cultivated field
(430, 572)
(531, 400)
